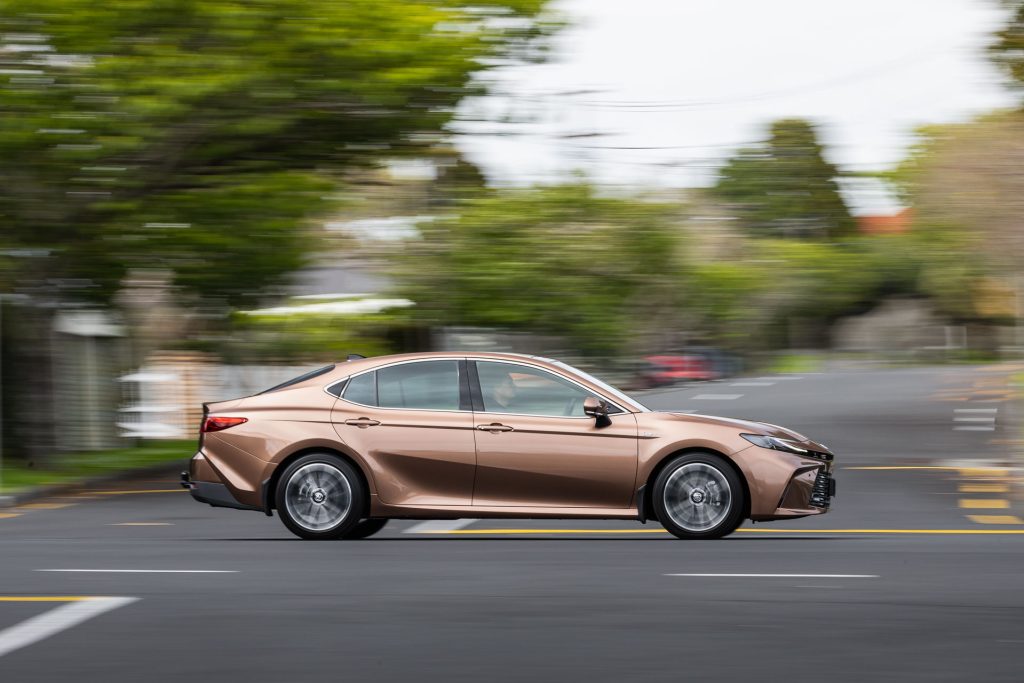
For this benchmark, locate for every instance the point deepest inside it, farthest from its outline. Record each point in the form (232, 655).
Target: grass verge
(794, 363)
(15, 476)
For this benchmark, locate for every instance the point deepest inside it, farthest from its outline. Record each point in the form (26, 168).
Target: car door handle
(362, 422)
(494, 428)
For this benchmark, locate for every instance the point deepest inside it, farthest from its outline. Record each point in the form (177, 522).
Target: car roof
(424, 355)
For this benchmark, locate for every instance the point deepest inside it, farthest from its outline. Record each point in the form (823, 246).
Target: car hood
(745, 426)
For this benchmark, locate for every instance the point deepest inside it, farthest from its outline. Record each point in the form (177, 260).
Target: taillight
(216, 424)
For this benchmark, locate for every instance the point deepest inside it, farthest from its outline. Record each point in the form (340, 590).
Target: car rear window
(301, 378)
(362, 389)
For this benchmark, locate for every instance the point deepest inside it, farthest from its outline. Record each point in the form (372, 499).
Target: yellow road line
(44, 506)
(984, 503)
(748, 531)
(886, 531)
(904, 467)
(5, 515)
(995, 519)
(46, 598)
(997, 472)
(984, 488)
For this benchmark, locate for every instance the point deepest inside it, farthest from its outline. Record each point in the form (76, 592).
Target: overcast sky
(666, 88)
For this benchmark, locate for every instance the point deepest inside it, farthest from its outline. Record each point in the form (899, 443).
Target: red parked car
(660, 371)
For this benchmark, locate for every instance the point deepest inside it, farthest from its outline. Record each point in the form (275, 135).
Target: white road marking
(752, 384)
(784, 576)
(716, 397)
(790, 377)
(144, 571)
(142, 524)
(433, 526)
(56, 620)
(983, 415)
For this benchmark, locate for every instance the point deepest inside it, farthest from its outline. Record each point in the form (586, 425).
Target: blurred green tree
(788, 292)
(785, 187)
(199, 136)
(598, 271)
(1008, 48)
(968, 196)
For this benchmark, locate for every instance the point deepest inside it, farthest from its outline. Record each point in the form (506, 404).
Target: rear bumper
(212, 493)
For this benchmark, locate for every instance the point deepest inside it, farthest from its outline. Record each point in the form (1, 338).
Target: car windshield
(608, 388)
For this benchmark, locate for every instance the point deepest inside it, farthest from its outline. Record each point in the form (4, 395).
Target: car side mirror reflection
(597, 409)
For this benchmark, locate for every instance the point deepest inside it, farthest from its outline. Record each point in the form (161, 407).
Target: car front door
(412, 422)
(535, 447)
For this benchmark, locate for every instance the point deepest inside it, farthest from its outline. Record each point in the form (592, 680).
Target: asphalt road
(881, 596)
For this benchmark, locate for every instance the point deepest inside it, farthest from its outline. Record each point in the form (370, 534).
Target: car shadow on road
(529, 539)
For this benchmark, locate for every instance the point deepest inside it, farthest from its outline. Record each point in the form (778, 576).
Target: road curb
(37, 492)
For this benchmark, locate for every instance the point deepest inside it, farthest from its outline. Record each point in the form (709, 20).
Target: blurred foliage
(729, 310)
(598, 271)
(312, 338)
(619, 276)
(967, 188)
(200, 135)
(1008, 49)
(748, 304)
(785, 187)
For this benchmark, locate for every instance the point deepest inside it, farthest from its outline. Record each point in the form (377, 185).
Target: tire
(365, 529)
(320, 497)
(699, 495)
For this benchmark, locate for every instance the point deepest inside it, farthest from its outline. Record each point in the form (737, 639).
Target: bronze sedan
(341, 450)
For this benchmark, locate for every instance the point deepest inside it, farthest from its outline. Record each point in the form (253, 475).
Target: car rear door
(412, 423)
(536, 448)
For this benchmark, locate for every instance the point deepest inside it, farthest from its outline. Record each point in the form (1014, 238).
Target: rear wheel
(699, 495)
(365, 529)
(320, 497)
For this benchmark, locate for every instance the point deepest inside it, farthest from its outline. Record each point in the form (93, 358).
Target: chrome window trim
(482, 412)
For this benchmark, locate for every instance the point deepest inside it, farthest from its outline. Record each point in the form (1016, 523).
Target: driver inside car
(504, 393)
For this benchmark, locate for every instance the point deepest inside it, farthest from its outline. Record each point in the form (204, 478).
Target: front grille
(823, 490)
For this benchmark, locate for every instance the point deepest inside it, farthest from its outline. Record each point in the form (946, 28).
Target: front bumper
(809, 492)
(786, 485)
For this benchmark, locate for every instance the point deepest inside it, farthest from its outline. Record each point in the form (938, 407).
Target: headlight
(787, 445)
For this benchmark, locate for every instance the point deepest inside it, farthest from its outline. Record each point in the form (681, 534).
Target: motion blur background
(199, 198)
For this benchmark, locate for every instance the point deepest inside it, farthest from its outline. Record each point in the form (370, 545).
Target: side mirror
(597, 409)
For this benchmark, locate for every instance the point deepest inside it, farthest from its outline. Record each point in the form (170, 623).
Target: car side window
(362, 389)
(523, 390)
(424, 385)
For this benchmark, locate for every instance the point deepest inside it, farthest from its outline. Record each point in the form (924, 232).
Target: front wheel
(320, 497)
(699, 495)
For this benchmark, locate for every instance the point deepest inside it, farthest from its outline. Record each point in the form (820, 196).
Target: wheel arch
(269, 485)
(647, 502)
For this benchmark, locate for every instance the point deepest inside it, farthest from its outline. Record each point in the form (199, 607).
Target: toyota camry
(339, 451)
